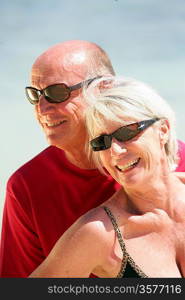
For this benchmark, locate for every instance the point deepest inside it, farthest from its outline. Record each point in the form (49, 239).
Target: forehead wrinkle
(66, 64)
(82, 63)
(70, 66)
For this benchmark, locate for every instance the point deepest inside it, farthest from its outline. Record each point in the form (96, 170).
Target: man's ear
(164, 131)
(107, 83)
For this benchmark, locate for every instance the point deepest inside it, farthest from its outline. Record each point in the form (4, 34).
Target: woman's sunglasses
(55, 93)
(122, 134)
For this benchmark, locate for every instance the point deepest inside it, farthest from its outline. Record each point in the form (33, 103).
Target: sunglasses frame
(142, 125)
(69, 89)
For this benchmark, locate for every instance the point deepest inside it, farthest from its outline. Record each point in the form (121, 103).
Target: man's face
(63, 123)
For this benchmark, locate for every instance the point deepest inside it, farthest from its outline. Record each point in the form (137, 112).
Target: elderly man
(46, 195)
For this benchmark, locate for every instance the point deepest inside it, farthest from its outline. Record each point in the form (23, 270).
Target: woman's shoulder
(96, 225)
(94, 221)
(89, 234)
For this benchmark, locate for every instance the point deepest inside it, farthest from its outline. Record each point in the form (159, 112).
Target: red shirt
(181, 165)
(44, 197)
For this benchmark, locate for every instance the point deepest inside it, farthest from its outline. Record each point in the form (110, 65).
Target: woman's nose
(117, 148)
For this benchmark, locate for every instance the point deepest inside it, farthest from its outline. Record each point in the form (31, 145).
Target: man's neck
(79, 159)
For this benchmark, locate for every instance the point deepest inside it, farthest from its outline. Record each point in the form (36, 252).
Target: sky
(145, 39)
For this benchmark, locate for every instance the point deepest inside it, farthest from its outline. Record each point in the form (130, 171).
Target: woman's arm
(75, 254)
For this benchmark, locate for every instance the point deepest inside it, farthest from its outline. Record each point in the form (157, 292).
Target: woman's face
(138, 160)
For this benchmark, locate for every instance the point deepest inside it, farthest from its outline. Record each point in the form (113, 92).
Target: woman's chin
(133, 178)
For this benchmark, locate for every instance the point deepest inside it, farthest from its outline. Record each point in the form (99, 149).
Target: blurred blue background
(144, 38)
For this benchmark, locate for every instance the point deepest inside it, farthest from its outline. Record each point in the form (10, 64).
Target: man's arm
(20, 251)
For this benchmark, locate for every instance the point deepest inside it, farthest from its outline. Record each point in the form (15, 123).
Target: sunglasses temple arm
(79, 85)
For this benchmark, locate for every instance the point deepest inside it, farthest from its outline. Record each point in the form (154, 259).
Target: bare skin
(90, 245)
(151, 220)
(69, 62)
(153, 239)
(181, 176)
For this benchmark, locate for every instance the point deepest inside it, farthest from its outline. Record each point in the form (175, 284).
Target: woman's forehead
(108, 126)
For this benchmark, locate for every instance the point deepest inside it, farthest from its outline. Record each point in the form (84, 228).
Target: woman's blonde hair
(112, 98)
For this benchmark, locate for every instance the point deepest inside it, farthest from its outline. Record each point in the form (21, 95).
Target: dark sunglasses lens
(126, 133)
(57, 93)
(102, 142)
(32, 95)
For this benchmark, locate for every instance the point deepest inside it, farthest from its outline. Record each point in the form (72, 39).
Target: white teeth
(128, 165)
(54, 124)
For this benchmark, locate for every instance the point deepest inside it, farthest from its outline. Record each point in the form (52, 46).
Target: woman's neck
(161, 194)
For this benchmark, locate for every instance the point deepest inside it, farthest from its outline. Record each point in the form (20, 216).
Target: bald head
(71, 61)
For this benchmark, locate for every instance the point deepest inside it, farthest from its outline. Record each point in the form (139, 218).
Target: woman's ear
(164, 131)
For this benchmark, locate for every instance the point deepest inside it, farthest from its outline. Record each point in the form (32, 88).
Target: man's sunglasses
(55, 93)
(122, 134)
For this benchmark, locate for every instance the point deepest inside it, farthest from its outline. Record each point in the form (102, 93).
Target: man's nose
(44, 106)
(117, 148)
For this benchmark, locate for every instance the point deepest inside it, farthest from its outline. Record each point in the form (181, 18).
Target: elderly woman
(140, 230)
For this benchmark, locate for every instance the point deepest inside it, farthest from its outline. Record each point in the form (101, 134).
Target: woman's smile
(128, 166)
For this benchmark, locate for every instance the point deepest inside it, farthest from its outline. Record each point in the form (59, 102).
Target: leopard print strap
(126, 256)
